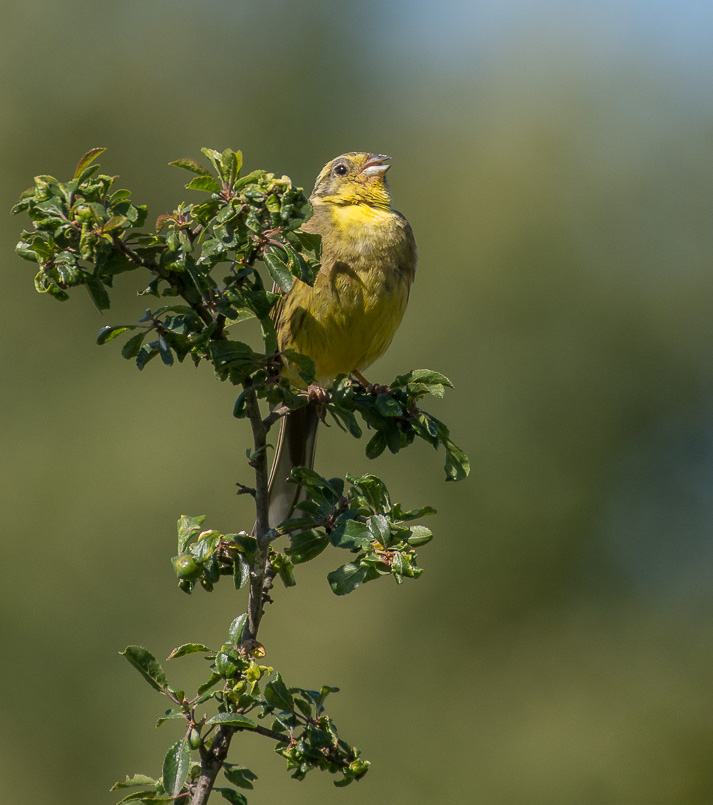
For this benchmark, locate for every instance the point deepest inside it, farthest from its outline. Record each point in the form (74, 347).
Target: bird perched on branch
(348, 318)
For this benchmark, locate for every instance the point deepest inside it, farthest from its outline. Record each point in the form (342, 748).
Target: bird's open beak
(375, 165)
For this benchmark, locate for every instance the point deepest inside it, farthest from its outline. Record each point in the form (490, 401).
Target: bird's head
(354, 178)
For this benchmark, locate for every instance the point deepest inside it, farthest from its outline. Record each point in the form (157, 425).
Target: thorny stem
(213, 757)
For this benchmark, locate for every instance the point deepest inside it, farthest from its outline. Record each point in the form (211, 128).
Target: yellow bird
(348, 318)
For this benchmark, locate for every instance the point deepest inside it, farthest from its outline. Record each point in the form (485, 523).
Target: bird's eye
(341, 170)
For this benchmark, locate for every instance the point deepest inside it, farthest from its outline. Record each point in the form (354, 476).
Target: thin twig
(135, 257)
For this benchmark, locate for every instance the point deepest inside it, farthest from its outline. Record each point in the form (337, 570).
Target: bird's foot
(317, 395)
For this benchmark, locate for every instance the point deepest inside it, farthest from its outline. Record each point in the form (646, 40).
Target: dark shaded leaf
(376, 445)
(232, 796)
(387, 406)
(98, 293)
(239, 775)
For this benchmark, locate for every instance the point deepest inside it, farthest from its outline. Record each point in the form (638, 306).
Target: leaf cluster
(359, 518)
(394, 416)
(205, 556)
(238, 685)
(205, 253)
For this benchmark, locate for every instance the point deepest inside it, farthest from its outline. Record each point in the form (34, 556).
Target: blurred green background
(554, 160)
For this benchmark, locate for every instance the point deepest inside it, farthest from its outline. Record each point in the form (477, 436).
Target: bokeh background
(554, 159)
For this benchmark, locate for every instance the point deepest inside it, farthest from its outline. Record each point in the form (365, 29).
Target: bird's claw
(317, 395)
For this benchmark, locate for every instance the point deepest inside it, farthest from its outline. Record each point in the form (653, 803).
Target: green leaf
(306, 545)
(176, 765)
(251, 178)
(232, 720)
(144, 797)
(269, 335)
(324, 691)
(241, 570)
(231, 162)
(169, 715)
(353, 535)
(345, 419)
(374, 490)
(285, 569)
(277, 695)
(425, 376)
(87, 159)
(205, 183)
(457, 464)
(190, 165)
(212, 680)
(420, 535)
(232, 359)
(380, 528)
(235, 631)
(189, 648)
(213, 156)
(188, 527)
(147, 665)
(412, 514)
(311, 244)
(136, 779)
(279, 271)
(112, 331)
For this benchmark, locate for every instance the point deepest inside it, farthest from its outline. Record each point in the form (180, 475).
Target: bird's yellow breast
(347, 320)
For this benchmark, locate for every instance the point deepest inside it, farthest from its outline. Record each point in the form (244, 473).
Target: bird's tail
(295, 448)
